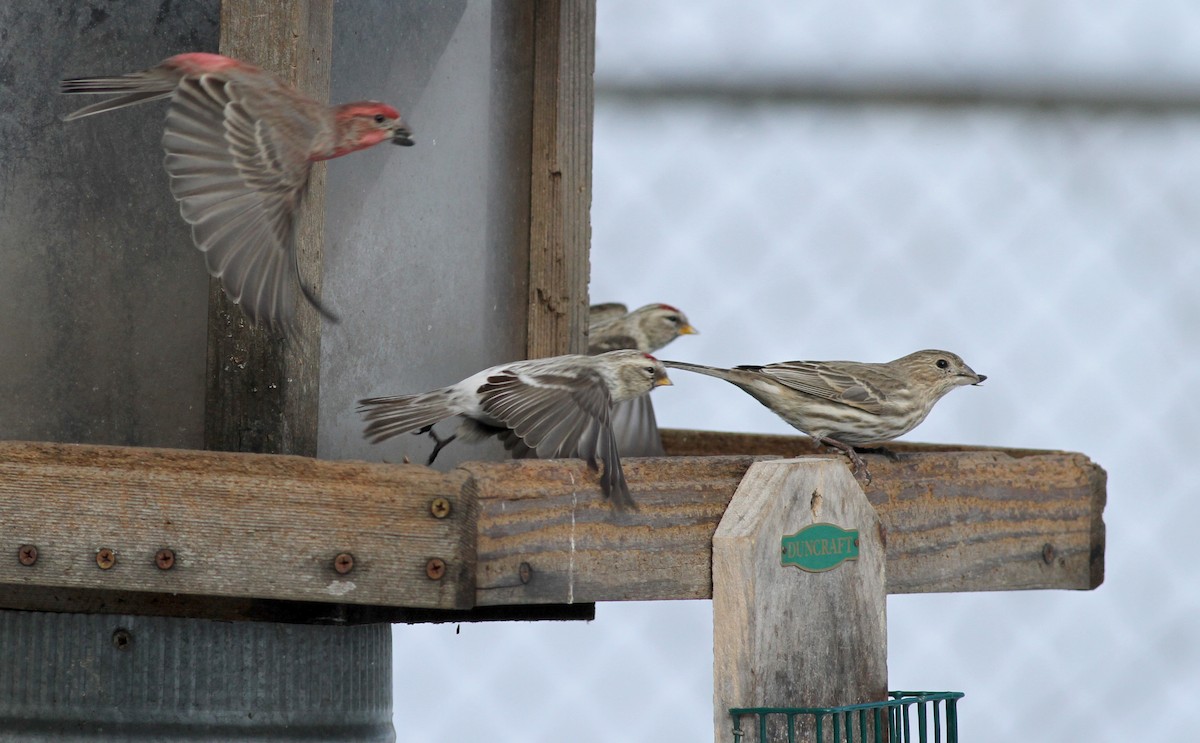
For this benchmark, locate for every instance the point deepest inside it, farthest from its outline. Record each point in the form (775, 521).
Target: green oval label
(820, 547)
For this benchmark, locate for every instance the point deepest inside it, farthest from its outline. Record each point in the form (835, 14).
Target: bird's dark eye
(649, 370)
(673, 318)
(380, 118)
(943, 364)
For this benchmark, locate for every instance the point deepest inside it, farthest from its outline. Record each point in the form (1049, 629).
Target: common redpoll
(649, 328)
(646, 329)
(845, 404)
(554, 407)
(240, 144)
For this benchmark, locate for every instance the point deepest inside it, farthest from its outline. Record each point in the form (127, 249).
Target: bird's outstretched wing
(554, 415)
(239, 178)
(821, 380)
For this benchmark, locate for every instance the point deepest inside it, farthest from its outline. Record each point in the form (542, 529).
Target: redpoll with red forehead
(240, 145)
(611, 326)
(846, 403)
(554, 407)
(646, 329)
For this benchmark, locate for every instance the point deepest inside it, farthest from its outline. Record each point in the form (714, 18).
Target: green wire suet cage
(936, 715)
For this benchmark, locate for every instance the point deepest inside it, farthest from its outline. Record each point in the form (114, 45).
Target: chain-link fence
(1015, 183)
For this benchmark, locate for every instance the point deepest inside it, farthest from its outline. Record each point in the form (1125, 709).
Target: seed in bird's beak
(402, 137)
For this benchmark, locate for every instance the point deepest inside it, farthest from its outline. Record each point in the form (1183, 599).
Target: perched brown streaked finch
(554, 407)
(611, 326)
(845, 404)
(240, 144)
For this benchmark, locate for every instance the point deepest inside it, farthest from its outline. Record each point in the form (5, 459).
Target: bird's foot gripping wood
(882, 451)
(438, 441)
(859, 467)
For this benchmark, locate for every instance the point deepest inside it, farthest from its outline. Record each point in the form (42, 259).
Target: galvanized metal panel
(76, 677)
(102, 296)
(426, 247)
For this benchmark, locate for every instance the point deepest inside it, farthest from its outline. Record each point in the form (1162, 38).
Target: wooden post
(564, 51)
(262, 390)
(789, 636)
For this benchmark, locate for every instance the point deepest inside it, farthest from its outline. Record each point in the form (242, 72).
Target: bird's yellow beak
(663, 381)
(688, 330)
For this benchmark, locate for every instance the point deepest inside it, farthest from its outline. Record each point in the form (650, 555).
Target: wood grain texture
(262, 390)
(267, 527)
(784, 637)
(564, 37)
(976, 520)
(550, 516)
(240, 525)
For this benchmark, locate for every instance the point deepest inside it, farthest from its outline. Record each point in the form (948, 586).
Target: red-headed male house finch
(846, 403)
(240, 144)
(611, 326)
(553, 407)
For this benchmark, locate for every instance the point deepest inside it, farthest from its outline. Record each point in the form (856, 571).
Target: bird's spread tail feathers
(131, 90)
(391, 416)
(712, 371)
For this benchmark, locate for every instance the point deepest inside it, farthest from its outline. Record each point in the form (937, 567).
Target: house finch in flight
(845, 404)
(611, 326)
(240, 145)
(553, 407)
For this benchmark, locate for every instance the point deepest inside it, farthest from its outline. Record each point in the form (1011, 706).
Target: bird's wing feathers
(238, 184)
(606, 311)
(819, 380)
(552, 415)
(636, 428)
(546, 411)
(615, 342)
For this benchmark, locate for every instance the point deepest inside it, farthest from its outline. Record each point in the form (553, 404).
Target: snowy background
(1016, 182)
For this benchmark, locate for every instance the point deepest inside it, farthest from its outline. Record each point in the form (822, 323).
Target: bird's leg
(860, 467)
(882, 451)
(438, 441)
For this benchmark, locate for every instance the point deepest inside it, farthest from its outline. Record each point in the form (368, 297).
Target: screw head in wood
(525, 572)
(440, 508)
(1048, 553)
(27, 554)
(343, 563)
(435, 568)
(164, 559)
(122, 639)
(105, 558)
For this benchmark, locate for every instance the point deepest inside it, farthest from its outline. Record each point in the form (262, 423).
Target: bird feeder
(189, 526)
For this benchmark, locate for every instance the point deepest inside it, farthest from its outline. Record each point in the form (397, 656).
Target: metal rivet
(435, 568)
(343, 563)
(1048, 553)
(525, 572)
(440, 508)
(164, 559)
(105, 558)
(122, 639)
(27, 554)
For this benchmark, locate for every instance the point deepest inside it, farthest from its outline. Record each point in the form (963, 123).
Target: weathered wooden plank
(784, 637)
(561, 176)
(976, 520)
(262, 390)
(268, 527)
(687, 443)
(238, 525)
(989, 521)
